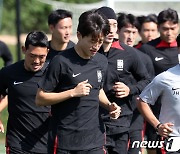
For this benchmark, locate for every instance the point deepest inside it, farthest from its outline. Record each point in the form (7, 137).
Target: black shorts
(91, 151)
(135, 135)
(117, 144)
(13, 150)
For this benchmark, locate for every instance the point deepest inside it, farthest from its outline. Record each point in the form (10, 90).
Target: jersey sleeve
(51, 79)
(3, 82)
(153, 90)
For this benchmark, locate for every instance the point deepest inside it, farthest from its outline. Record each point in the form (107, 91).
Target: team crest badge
(99, 75)
(120, 64)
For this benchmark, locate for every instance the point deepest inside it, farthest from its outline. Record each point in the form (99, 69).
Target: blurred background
(19, 17)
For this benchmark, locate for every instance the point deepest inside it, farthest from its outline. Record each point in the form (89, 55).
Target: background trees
(33, 15)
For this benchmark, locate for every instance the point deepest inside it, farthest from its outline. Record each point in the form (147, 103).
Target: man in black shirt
(148, 29)
(73, 88)
(27, 125)
(163, 52)
(124, 66)
(60, 25)
(128, 32)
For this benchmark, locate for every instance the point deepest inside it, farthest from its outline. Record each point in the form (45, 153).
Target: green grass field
(2, 148)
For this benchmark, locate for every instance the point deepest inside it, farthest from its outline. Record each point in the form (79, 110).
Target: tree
(34, 16)
(79, 1)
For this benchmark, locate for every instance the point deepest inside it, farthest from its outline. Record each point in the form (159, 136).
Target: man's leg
(135, 135)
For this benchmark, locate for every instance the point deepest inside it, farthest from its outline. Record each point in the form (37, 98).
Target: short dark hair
(36, 38)
(178, 40)
(146, 19)
(168, 15)
(94, 23)
(57, 15)
(124, 19)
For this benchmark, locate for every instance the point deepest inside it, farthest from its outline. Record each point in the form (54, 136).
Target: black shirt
(137, 119)
(124, 65)
(52, 53)
(5, 54)
(27, 125)
(76, 119)
(162, 54)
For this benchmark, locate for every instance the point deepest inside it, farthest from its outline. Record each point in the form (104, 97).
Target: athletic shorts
(13, 150)
(117, 144)
(135, 135)
(91, 151)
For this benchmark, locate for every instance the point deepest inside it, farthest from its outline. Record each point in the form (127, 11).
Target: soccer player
(60, 25)
(5, 54)
(73, 88)
(128, 32)
(163, 52)
(27, 125)
(167, 86)
(124, 66)
(127, 28)
(148, 28)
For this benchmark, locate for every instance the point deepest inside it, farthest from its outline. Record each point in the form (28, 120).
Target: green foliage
(79, 1)
(33, 14)
(8, 17)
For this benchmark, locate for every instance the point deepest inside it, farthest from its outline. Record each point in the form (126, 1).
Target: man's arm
(3, 103)
(1, 127)
(163, 129)
(50, 98)
(113, 108)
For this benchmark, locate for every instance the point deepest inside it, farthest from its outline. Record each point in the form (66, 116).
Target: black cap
(108, 12)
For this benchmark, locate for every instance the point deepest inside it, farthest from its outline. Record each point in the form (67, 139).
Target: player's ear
(79, 36)
(23, 49)
(51, 28)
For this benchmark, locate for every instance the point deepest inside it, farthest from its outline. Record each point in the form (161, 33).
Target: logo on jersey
(16, 83)
(176, 91)
(120, 64)
(75, 75)
(159, 58)
(99, 75)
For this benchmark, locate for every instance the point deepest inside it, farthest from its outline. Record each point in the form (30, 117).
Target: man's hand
(114, 110)
(82, 89)
(1, 127)
(165, 129)
(121, 90)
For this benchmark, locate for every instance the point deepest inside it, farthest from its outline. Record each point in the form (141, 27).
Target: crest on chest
(99, 75)
(120, 64)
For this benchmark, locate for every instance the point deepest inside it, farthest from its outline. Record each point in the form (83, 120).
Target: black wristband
(157, 127)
